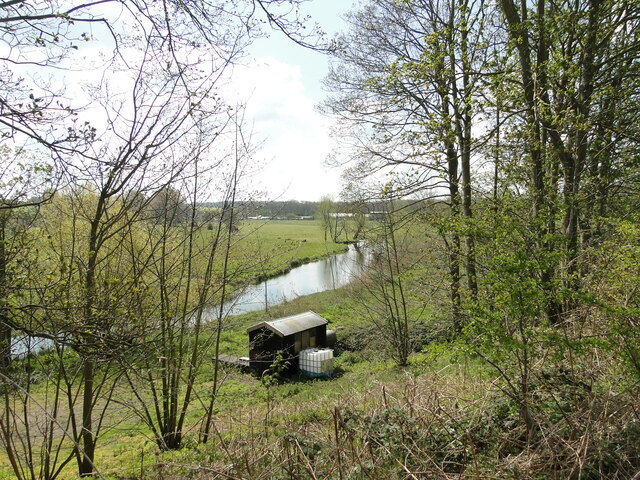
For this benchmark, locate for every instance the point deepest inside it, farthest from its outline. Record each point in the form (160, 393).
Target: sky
(282, 84)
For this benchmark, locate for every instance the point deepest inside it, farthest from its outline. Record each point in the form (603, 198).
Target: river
(328, 274)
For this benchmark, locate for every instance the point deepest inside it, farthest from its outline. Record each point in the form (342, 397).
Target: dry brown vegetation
(440, 425)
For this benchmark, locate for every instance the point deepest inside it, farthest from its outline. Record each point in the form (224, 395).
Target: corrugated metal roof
(289, 325)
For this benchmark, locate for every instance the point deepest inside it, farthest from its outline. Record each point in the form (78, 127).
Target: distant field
(305, 231)
(274, 246)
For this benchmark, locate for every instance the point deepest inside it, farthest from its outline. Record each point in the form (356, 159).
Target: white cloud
(295, 137)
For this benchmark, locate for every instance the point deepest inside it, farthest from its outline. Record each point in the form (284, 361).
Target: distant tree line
(298, 208)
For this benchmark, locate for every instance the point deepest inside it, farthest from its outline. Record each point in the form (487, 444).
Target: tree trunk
(454, 247)
(462, 121)
(88, 439)
(5, 328)
(87, 435)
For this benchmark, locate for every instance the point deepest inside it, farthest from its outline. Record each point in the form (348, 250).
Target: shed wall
(264, 344)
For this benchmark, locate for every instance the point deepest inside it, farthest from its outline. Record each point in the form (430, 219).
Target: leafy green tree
(570, 56)
(390, 309)
(329, 218)
(408, 84)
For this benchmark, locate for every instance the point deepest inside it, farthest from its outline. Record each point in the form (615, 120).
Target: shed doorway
(304, 340)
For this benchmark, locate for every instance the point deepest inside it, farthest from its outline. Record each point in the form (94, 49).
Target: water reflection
(328, 274)
(20, 346)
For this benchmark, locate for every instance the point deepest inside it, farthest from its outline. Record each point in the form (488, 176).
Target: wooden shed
(288, 335)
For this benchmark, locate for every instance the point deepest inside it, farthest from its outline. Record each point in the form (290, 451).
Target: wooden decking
(237, 362)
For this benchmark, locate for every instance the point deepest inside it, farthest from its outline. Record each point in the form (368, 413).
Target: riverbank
(275, 247)
(329, 273)
(297, 262)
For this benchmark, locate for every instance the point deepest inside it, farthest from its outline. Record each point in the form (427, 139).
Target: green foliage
(520, 279)
(391, 428)
(274, 374)
(615, 283)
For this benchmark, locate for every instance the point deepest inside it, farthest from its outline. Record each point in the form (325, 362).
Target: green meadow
(275, 246)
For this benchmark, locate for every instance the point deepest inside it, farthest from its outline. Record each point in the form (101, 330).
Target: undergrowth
(437, 425)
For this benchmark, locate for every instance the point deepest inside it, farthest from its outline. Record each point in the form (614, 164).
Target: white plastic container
(315, 362)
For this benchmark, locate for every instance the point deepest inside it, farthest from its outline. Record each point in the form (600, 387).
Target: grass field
(247, 409)
(250, 412)
(272, 247)
(442, 416)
